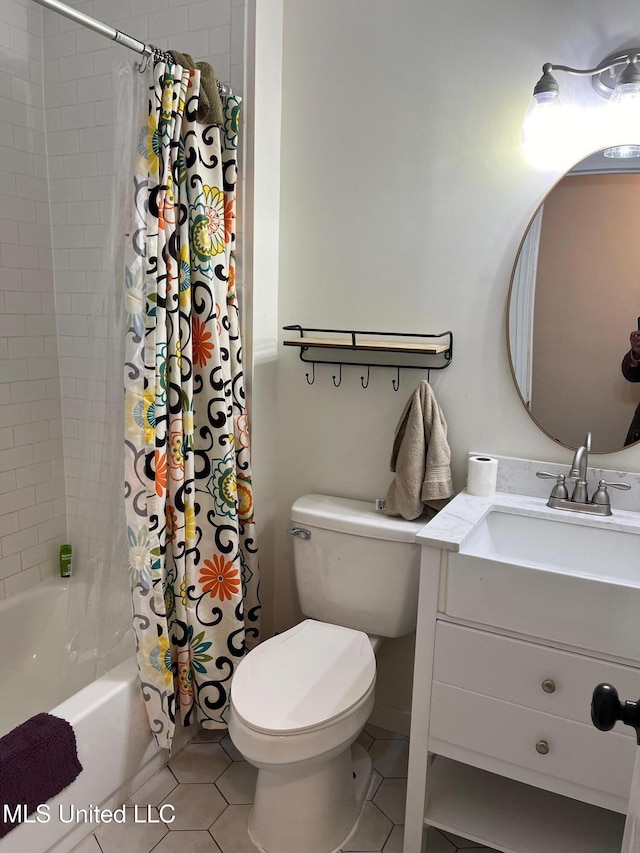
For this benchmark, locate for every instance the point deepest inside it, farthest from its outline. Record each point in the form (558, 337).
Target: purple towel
(38, 759)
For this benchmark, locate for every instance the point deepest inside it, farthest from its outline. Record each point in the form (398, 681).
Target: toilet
(300, 699)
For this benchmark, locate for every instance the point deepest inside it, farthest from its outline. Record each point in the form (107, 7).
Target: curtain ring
(143, 64)
(396, 385)
(313, 374)
(337, 384)
(362, 382)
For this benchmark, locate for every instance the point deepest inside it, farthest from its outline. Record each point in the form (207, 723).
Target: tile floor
(211, 788)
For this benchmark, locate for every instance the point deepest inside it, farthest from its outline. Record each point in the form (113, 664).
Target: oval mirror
(574, 301)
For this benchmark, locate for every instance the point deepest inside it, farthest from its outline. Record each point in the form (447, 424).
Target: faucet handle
(601, 496)
(624, 486)
(560, 489)
(587, 441)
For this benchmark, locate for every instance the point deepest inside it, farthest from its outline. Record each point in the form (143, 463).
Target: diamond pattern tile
(187, 841)
(391, 797)
(230, 749)
(462, 843)
(372, 831)
(437, 843)
(238, 783)
(90, 845)
(364, 739)
(382, 734)
(155, 790)
(196, 806)
(374, 784)
(214, 735)
(230, 831)
(211, 789)
(394, 841)
(131, 837)
(199, 762)
(390, 757)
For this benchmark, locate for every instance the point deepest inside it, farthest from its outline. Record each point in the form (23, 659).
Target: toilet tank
(358, 568)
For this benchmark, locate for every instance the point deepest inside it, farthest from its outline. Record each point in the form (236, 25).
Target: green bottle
(65, 561)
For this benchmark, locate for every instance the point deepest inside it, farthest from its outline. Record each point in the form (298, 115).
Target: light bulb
(541, 117)
(543, 129)
(625, 93)
(623, 118)
(622, 151)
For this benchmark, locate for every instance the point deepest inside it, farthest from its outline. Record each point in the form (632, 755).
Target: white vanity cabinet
(490, 708)
(502, 747)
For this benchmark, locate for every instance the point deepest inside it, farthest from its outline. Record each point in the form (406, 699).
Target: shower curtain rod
(119, 37)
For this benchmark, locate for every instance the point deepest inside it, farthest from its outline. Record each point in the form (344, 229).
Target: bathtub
(115, 745)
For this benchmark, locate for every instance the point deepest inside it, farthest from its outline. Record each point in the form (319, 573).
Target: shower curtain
(188, 495)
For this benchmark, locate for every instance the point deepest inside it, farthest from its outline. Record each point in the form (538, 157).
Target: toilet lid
(303, 678)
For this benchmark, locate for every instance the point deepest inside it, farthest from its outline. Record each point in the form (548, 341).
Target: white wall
(32, 504)
(405, 193)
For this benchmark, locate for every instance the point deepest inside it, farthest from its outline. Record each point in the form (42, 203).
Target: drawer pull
(549, 685)
(542, 747)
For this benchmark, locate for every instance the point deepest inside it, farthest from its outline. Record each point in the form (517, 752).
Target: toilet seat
(303, 679)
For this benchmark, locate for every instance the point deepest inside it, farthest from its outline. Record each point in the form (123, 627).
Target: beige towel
(421, 458)
(209, 102)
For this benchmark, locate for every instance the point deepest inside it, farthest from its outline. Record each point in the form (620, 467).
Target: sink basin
(569, 582)
(557, 546)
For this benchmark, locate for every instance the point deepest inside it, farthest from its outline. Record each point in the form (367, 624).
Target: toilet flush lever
(300, 532)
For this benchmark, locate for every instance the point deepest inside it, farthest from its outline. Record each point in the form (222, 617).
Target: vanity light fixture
(616, 77)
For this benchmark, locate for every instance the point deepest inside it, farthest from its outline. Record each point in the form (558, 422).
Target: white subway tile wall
(56, 174)
(32, 486)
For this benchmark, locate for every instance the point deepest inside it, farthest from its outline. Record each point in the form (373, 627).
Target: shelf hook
(313, 374)
(396, 384)
(362, 382)
(337, 384)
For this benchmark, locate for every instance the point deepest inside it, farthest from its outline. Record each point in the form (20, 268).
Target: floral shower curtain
(188, 495)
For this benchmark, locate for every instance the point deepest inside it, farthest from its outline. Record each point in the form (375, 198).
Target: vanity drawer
(577, 753)
(564, 608)
(538, 677)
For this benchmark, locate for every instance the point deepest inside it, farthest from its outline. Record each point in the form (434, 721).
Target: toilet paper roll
(482, 475)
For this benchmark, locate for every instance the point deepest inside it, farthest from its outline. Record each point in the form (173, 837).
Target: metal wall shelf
(398, 350)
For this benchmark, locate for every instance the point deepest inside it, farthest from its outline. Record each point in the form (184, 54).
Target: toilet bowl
(300, 699)
(298, 702)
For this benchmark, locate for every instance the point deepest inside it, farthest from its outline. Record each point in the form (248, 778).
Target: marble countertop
(451, 526)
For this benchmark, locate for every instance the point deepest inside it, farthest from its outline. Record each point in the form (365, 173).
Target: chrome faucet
(599, 504)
